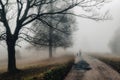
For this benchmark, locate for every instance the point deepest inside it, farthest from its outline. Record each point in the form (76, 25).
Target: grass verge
(50, 69)
(111, 60)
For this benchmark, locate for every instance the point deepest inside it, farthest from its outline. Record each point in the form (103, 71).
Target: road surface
(99, 71)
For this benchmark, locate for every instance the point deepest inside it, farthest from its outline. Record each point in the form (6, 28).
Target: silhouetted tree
(115, 42)
(17, 14)
(60, 36)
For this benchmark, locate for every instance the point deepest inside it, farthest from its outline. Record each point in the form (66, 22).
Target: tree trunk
(50, 33)
(50, 51)
(50, 42)
(54, 50)
(11, 56)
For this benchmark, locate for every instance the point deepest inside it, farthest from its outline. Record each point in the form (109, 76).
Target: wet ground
(90, 68)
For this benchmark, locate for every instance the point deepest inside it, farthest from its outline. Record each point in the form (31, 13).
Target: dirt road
(99, 71)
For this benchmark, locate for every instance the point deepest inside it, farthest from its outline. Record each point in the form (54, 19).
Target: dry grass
(110, 59)
(31, 58)
(36, 68)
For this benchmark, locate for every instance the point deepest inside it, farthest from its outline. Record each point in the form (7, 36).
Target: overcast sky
(95, 36)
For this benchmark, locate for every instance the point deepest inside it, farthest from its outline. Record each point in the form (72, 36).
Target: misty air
(59, 40)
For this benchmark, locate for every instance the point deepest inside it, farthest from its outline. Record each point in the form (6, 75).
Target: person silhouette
(80, 53)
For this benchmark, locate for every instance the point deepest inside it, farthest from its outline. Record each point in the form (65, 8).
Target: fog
(90, 36)
(94, 36)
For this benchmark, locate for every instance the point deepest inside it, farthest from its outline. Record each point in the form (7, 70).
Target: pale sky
(94, 36)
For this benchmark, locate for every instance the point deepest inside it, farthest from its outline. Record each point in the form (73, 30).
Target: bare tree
(17, 14)
(62, 28)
